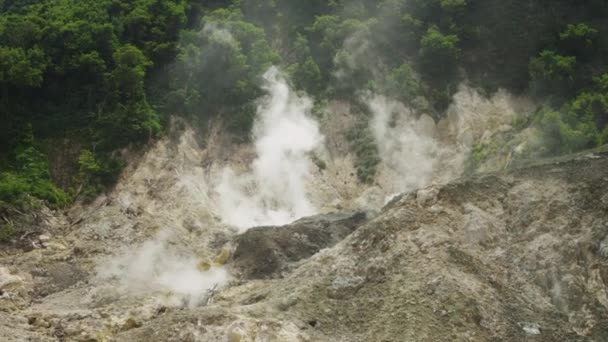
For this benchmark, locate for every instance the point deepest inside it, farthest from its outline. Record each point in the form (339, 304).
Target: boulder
(266, 252)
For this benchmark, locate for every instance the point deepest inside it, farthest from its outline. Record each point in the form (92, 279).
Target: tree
(439, 53)
(306, 76)
(20, 67)
(579, 40)
(552, 74)
(401, 83)
(219, 68)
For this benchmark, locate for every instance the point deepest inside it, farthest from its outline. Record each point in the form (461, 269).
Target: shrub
(94, 174)
(439, 53)
(560, 136)
(12, 188)
(306, 76)
(551, 65)
(30, 177)
(579, 39)
(402, 83)
(551, 73)
(365, 149)
(15, 189)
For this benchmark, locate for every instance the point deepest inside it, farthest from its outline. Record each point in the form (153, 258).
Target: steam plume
(416, 152)
(406, 144)
(274, 191)
(155, 268)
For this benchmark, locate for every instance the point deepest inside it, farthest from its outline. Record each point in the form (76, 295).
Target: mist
(157, 268)
(416, 151)
(273, 191)
(406, 144)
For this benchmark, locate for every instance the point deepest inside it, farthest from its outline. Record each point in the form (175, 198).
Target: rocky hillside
(513, 256)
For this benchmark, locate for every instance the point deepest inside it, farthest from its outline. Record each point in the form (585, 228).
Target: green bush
(551, 65)
(591, 105)
(13, 188)
(401, 83)
(16, 188)
(412, 29)
(366, 151)
(579, 39)
(30, 177)
(306, 76)
(552, 74)
(560, 136)
(439, 54)
(94, 174)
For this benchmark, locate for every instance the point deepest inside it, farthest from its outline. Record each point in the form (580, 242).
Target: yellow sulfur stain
(222, 258)
(203, 266)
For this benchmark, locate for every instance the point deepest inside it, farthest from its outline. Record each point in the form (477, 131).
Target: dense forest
(80, 80)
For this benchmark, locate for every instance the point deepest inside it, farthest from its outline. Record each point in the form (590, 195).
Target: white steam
(416, 152)
(406, 144)
(274, 191)
(155, 268)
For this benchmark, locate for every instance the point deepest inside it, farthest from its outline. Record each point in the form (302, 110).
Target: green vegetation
(439, 53)
(7, 232)
(402, 84)
(106, 74)
(218, 68)
(77, 70)
(581, 123)
(363, 144)
(94, 174)
(29, 176)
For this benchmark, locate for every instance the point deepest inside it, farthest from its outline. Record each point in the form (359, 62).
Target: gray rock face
(267, 252)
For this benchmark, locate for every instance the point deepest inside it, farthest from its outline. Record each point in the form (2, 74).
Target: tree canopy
(106, 74)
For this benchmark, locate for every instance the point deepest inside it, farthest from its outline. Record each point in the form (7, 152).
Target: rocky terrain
(519, 255)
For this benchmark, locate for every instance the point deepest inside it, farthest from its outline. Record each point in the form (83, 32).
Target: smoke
(155, 268)
(274, 191)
